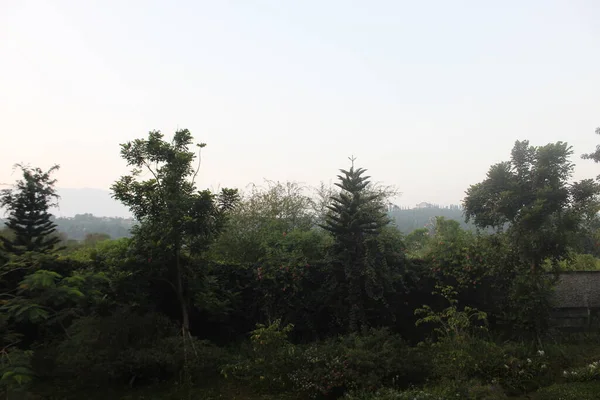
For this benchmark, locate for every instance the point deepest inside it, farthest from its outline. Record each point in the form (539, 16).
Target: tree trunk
(185, 315)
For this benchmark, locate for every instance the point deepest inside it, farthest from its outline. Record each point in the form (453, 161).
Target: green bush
(522, 374)
(357, 362)
(269, 362)
(570, 391)
(444, 392)
(15, 369)
(391, 394)
(127, 348)
(590, 372)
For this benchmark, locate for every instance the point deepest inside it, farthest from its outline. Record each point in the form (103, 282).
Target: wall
(576, 301)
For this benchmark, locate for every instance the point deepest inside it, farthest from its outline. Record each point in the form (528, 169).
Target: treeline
(81, 225)
(278, 292)
(407, 220)
(411, 219)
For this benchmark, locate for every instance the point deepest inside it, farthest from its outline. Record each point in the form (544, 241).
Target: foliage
(48, 299)
(358, 361)
(529, 305)
(595, 156)
(356, 218)
(173, 215)
(417, 241)
(346, 295)
(391, 394)
(570, 391)
(80, 226)
(15, 368)
(590, 372)
(523, 375)
(128, 347)
(28, 217)
(580, 262)
(259, 221)
(271, 359)
(531, 194)
(452, 323)
(409, 220)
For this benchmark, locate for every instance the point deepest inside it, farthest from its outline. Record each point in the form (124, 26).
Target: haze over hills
(97, 202)
(85, 211)
(85, 201)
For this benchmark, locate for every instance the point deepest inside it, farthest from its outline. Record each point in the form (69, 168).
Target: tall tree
(29, 221)
(175, 218)
(356, 217)
(532, 196)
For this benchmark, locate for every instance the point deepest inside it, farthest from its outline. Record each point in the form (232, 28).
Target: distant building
(424, 205)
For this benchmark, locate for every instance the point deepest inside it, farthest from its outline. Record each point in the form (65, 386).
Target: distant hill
(87, 201)
(97, 202)
(84, 211)
(79, 226)
(409, 219)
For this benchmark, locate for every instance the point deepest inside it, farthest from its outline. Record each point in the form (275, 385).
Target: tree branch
(199, 162)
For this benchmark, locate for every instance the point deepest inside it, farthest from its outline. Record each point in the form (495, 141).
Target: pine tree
(29, 221)
(355, 219)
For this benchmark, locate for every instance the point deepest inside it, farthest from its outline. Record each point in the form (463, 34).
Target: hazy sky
(427, 94)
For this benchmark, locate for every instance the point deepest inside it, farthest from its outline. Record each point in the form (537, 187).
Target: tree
(595, 156)
(260, 220)
(29, 220)
(176, 220)
(532, 197)
(356, 217)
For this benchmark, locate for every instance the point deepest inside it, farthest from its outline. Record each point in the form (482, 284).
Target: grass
(163, 392)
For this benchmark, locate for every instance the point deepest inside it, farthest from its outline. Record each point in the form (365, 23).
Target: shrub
(356, 362)
(267, 365)
(570, 391)
(15, 369)
(457, 355)
(391, 394)
(475, 392)
(521, 375)
(127, 348)
(591, 372)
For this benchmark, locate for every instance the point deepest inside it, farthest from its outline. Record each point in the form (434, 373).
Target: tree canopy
(29, 220)
(533, 197)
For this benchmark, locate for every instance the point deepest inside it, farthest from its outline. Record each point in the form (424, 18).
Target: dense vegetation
(279, 293)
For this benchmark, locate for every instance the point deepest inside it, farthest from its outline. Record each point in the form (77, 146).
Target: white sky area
(426, 94)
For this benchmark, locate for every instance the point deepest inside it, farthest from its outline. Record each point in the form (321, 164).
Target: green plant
(522, 375)
(270, 360)
(452, 353)
(590, 372)
(528, 305)
(391, 394)
(15, 368)
(358, 361)
(451, 322)
(356, 219)
(124, 347)
(30, 222)
(570, 391)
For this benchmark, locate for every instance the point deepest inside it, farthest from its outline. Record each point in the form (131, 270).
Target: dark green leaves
(531, 194)
(28, 219)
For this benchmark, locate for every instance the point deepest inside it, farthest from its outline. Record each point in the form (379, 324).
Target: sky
(426, 94)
